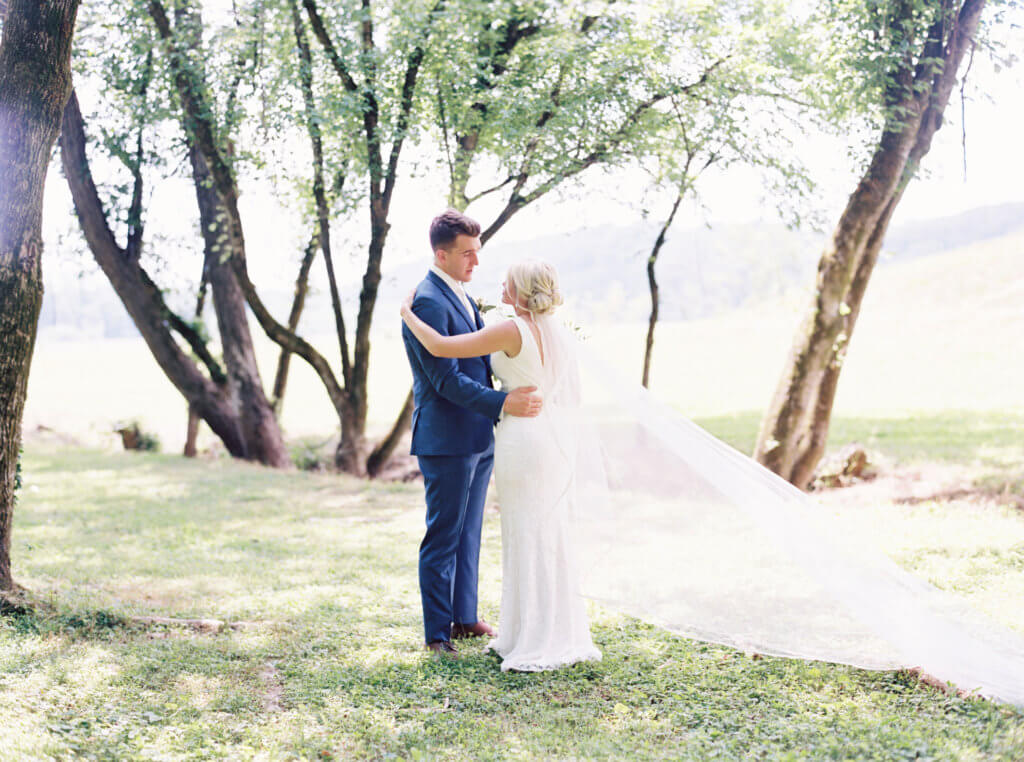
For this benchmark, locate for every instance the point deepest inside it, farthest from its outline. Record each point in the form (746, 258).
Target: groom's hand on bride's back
(522, 402)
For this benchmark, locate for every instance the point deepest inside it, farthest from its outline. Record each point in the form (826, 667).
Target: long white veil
(675, 527)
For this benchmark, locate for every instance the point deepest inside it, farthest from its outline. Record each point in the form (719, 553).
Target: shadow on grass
(350, 678)
(168, 533)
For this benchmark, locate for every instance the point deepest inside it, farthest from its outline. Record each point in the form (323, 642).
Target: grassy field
(321, 569)
(983, 438)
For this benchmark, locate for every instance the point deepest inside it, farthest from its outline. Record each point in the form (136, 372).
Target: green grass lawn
(322, 569)
(979, 437)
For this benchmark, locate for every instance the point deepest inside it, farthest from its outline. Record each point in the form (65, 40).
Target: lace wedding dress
(543, 623)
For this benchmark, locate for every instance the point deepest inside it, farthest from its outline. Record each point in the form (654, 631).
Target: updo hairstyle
(536, 285)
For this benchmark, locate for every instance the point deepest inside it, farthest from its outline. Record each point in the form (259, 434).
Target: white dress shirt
(460, 292)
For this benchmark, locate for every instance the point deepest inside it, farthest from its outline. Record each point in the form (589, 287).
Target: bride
(677, 528)
(543, 622)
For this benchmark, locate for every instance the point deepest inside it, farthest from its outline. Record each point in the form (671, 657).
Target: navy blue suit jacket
(455, 404)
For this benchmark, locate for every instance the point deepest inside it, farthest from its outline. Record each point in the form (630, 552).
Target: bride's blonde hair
(536, 285)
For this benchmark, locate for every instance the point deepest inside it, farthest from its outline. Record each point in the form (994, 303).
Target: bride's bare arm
(502, 337)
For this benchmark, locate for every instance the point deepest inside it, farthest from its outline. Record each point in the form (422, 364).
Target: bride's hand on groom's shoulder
(407, 303)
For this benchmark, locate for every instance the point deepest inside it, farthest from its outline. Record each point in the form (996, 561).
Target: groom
(455, 410)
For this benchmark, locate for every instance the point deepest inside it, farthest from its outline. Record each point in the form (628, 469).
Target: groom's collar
(460, 301)
(453, 284)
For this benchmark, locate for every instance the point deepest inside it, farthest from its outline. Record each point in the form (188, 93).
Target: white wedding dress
(614, 496)
(543, 623)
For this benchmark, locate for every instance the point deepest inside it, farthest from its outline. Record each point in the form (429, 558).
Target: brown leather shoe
(475, 630)
(443, 648)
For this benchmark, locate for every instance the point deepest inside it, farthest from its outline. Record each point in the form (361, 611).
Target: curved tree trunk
(143, 299)
(35, 81)
(223, 241)
(380, 454)
(652, 284)
(794, 432)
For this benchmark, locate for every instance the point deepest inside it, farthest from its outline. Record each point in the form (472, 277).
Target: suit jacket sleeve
(444, 374)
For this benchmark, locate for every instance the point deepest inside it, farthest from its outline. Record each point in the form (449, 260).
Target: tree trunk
(380, 454)
(192, 430)
(35, 81)
(352, 451)
(143, 299)
(258, 425)
(653, 285)
(350, 455)
(191, 433)
(794, 431)
(298, 303)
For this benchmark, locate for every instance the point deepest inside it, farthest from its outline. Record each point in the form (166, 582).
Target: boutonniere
(483, 306)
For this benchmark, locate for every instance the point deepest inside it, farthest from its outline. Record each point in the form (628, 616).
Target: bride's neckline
(530, 325)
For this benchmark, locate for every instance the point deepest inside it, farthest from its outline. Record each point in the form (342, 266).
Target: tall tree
(197, 374)
(905, 58)
(35, 82)
(256, 416)
(387, 115)
(349, 394)
(542, 92)
(652, 281)
(224, 392)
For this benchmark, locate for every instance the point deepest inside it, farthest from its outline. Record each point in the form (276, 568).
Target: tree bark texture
(794, 431)
(35, 81)
(258, 424)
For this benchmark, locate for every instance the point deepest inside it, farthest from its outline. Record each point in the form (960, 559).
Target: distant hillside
(702, 272)
(917, 239)
(941, 332)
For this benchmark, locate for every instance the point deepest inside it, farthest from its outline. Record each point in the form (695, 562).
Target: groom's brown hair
(446, 226)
